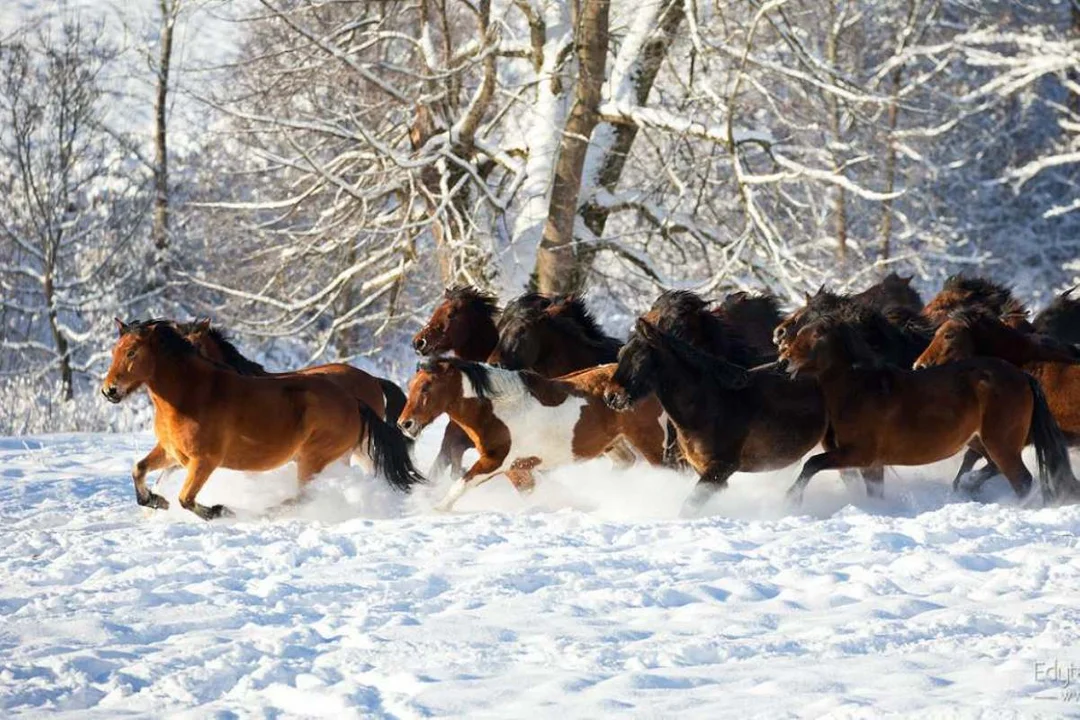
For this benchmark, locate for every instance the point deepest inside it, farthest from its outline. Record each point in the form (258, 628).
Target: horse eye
(131, 354)
(425, 388)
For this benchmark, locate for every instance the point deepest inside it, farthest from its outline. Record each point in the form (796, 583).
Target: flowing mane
(483, 302)
(231, 355)
(583, 317)
(674, 306)
(724, 373)
(480, 380)
(979, 290)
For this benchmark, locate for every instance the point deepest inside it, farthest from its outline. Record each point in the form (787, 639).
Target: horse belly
(544, 432)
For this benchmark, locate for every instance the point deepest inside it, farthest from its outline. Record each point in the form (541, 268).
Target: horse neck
(681, 399)
(1014, 347)
(473, 415)
(481, 342)
(177, 378)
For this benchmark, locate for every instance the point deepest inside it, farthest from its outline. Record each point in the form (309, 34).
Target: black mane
(583, 317)
(724, 373)
(725, 341)
(479, 300)
(981, 291)
(476, 373)
(232, 357)
(167, 337)
(1061, 318)
(880, 339)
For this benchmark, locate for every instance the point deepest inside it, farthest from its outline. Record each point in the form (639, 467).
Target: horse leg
(712, 481)
(829, 460)
(156, 459)
(874, 480)
(454, 444)
(1011, 465)
(481, 471)
(621, 454)
(198, 472)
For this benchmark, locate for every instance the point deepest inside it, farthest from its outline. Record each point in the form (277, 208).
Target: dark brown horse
(552, 337)
(753, 317)
(893, 298)
(961, 292)
(728, 419)
(1060, 319)
(520, 421)
(207, 416)
(380, 394)
(882, 415)
(687, 316)
(969, 334)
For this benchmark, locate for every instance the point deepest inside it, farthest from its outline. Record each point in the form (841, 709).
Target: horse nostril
(419, 344)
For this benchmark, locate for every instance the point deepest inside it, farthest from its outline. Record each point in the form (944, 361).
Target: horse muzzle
(410, 427)
(617, 400)
(112, 394)
(419, 344)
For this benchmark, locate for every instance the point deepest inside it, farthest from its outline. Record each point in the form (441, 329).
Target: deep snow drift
(588, 598)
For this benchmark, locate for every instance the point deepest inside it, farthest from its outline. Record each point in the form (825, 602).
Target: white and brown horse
(520, 421)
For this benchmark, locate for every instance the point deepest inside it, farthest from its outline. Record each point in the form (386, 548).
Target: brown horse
(753, 317)
(969, 334)
(892, 290)
(961, 292)
(728, 419)
(463, 324)
(206, 416)
(881, 415)
(381, 395)
(520, 421)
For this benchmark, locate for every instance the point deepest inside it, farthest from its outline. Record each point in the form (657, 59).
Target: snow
(588, 598)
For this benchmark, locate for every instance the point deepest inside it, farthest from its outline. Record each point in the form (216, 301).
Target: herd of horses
(874, 379)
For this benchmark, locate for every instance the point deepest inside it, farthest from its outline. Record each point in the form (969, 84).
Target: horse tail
(389, 451)
(1056, 478)
(394, 398)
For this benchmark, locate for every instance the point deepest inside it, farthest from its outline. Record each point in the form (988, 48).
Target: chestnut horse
(969, 334)
(882, 415)
(381, 395)
(962, 292)
(521, 421)
(207, 416)
(728, 419)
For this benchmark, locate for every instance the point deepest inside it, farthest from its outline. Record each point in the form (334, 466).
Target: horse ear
(202, 324)
(807, 297)
(645, 329)
(907, 280)
(121, 326)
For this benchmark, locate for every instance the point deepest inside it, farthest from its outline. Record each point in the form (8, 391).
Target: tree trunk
(558, 266)
(890, 164)
(832, 43)
(62, 349)
(611, 168)
(160, 228)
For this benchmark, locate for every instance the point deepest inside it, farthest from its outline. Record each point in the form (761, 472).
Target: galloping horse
(520, 421)
(207, 416)
(687, 316)
(381, 395)
(969, 334)
(883, 415)
(728, 419)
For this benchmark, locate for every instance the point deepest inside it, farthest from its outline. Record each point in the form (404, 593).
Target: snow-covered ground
(589, 598)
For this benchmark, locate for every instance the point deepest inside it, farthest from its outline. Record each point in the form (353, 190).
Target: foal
(728, 419)
(206, 416)
(520, 421)
(381, 395)
(882, 415)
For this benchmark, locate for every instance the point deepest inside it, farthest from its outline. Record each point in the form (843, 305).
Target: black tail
(395, 400)
(389, 452)
(1056, 477)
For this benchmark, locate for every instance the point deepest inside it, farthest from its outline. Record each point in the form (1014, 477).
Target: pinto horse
(728, 419)
(968, 334)
(521, 421)
(207, 416)
(883, 415)
(381, 395)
